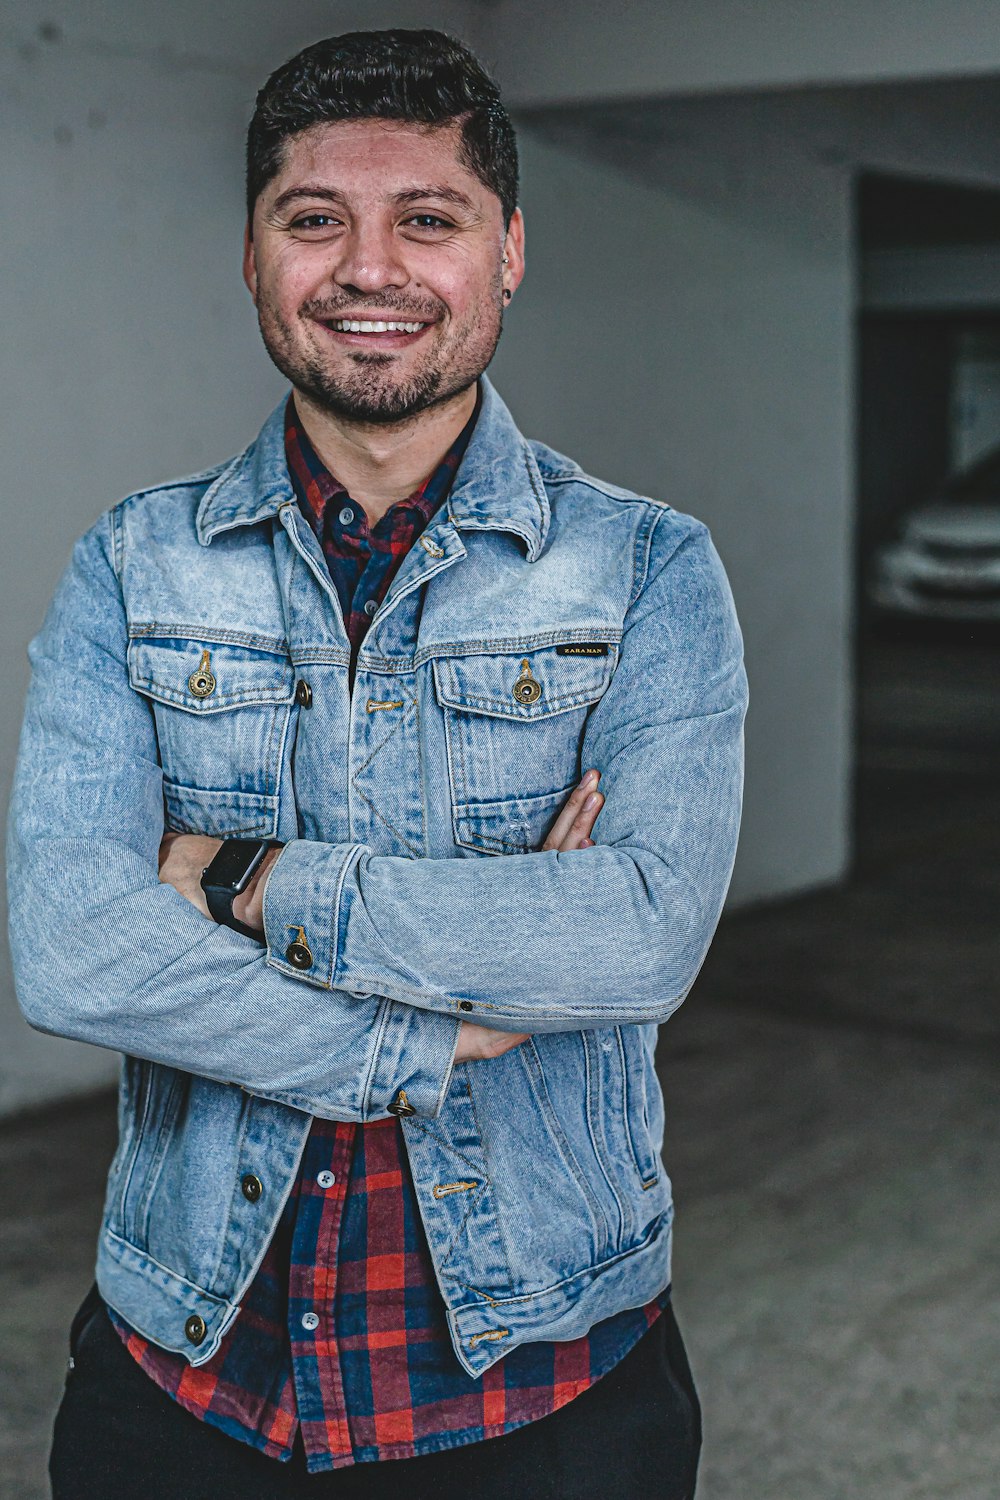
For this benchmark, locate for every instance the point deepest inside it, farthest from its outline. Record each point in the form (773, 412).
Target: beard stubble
(371, 395)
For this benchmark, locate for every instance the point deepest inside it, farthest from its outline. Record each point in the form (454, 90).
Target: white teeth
(353, 325)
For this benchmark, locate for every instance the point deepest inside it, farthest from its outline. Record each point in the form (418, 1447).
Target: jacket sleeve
(105, 953)
(555, 941)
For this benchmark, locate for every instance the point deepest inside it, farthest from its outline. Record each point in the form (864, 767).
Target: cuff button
(298, 953)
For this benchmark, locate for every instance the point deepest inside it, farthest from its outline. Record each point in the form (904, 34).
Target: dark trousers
(636, 1434)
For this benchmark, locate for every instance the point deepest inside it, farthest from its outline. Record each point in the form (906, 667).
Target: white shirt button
(326, 1179)
(346, 516)
(310, 1321)
(371, 606)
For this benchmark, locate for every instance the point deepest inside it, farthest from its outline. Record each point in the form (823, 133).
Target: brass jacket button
(252, 1187)
(303, 694)
(201, 683)
(526, 689)
(298, 953)
(465, 1005)
(194, 1329)
(401, 1105)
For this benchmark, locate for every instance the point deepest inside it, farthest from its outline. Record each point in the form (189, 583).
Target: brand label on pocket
(583, 648)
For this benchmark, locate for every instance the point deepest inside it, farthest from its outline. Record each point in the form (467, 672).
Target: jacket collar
(497, 488)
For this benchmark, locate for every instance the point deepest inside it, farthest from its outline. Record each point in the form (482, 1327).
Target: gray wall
(589, 50)
(696, 346)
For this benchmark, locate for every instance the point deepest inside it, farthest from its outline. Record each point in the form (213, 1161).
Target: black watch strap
(229, 874)
(220, 904)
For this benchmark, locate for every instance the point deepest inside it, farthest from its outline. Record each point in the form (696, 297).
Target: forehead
(377, 158)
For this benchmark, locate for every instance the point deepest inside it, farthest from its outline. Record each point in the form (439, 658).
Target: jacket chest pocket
(513, 726)
(222, 715)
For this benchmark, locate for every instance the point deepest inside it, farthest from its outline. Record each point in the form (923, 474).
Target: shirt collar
(316, 486)
(498, 486)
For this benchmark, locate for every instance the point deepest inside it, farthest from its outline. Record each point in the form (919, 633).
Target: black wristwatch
(229, 874)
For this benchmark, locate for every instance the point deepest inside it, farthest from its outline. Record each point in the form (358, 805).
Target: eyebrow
(445, 194)
(411, 195)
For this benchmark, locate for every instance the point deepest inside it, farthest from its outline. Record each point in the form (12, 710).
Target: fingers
(573, 826)
(478, 1042)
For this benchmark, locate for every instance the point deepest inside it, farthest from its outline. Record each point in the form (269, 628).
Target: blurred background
(764, 285)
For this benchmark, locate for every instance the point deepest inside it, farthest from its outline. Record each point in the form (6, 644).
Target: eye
(429, 221)
(318, 220)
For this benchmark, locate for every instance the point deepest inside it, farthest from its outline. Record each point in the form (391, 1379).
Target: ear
(249, 263)
(513, 248)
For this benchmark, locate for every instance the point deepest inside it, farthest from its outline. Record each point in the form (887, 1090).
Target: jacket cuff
(415, 1051)
(302, 898)
(413, 1062)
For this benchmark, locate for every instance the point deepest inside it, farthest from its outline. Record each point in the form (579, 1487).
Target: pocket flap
(525, 685)
(516, 826)
(206, 677)
(220, 815)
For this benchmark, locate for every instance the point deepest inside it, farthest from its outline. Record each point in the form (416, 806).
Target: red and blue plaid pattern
(342, 1339)
(363, 559)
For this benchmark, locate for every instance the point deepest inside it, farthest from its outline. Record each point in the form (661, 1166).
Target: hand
(571, 830)
(183, 856)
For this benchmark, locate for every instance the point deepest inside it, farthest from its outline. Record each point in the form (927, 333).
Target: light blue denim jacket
(545, 622)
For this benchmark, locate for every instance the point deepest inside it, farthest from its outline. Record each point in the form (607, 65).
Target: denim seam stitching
(127, 1244)
(218, 635)
(275, 765)
(352, 858)
(367, 1103)
(168, 695)
(117, 541)
(540, 1092)
(484, 645)
(498, 1217)
(591, 1271)
(595, 1126)
(224, 1239)
(164, 1135)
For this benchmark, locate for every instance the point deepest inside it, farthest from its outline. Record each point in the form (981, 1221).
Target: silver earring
(506, 260)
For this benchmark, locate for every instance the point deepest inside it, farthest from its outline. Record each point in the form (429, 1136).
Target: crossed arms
(183, 856)
(406, 949)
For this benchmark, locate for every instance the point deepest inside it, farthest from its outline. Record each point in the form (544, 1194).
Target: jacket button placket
(318, 746)
(385, 749)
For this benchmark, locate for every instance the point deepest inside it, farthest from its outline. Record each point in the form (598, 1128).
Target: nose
(370, 259)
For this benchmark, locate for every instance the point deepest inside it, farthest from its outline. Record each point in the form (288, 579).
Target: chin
(386, 406)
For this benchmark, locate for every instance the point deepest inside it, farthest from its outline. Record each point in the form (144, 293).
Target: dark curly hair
(424, 77)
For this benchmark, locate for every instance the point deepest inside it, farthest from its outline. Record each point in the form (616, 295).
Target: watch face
(234, 863)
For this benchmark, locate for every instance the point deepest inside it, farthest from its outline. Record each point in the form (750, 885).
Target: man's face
(377, 221)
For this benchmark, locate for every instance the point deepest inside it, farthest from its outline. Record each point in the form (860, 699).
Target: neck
(380, 465)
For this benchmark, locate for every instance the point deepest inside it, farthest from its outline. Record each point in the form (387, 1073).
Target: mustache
(380, 302)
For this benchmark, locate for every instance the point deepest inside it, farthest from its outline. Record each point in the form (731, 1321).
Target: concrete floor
(833, 1131)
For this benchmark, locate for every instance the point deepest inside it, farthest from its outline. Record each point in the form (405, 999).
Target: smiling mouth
(378, 326)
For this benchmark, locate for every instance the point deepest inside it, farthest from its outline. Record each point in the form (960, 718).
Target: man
(387, 1209)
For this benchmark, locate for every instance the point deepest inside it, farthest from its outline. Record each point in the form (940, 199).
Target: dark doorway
(928, 568)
